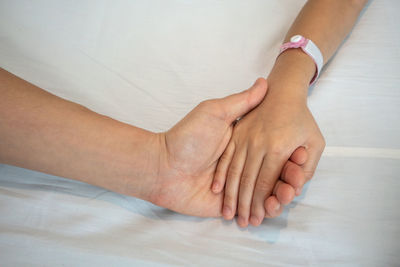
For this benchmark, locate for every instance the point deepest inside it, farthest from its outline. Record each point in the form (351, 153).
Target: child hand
(261, 145)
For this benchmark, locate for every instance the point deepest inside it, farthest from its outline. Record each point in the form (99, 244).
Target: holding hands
(189, 152)
(172, 169)
(259, 168)
(272, 141)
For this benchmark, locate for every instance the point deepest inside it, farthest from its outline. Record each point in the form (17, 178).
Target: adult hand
(189, 153)
(261, 144)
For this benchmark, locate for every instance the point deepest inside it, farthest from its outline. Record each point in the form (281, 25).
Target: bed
(148, 63)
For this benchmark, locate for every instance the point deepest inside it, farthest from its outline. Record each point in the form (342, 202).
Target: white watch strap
(313, 51)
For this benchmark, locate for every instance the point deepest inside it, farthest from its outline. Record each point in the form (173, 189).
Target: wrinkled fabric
(150, 62)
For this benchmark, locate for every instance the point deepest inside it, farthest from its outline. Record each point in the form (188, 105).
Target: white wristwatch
(309, 48)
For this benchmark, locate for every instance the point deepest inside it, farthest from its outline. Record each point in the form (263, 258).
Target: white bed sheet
(148, 63)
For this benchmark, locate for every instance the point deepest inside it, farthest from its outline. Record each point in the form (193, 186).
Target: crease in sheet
(361, 152)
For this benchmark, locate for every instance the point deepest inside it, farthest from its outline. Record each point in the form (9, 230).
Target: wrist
(134, 163)
(291, 75)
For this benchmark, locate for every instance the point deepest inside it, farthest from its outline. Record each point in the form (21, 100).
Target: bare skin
(263, 141)
(173, 169)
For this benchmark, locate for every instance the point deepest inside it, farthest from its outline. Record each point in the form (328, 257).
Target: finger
(247, 183)
(284, 192)
(273, 208)
(293, 175)
(232, 184)
(222, 168)
(299, 156)
(267, 177)
(237, 105)
(314, 153)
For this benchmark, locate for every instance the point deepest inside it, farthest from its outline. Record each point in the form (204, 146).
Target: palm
(193, 147)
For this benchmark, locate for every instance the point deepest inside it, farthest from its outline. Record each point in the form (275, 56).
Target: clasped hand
(209, 166)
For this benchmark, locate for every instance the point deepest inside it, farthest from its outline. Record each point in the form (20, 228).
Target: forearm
(326, 23)
(43, 132)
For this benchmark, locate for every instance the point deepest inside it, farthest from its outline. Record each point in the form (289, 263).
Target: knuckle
(323, 143)
(203, 104)
(207, 105)
(246, 180)
(278, 150)
(264, 185)
(321, 140)
(234, 172)
(225, 158)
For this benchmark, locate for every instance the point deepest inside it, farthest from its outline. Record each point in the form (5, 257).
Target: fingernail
(215, 187)
(241, 221)
(226, 211)
(277, 207)
(298, 191)
(254, 220)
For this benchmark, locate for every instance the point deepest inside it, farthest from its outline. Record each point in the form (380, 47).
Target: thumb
(237, 105)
